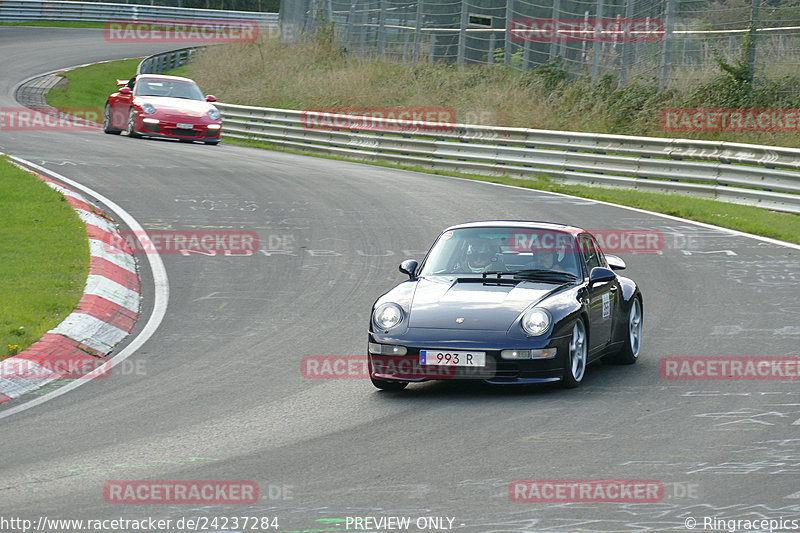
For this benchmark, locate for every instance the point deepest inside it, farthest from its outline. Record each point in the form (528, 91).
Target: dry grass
(320, 74)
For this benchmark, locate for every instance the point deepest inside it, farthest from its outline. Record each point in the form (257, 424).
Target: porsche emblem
(459, 320)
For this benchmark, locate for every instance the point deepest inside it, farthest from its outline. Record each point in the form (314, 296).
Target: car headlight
(149, 108)
(536, 321)
(387, 316)
(214, 114)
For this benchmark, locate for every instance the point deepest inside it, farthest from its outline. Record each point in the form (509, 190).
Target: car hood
(176, 107)
(437, 303)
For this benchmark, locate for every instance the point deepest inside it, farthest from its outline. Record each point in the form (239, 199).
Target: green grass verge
(89, 87)
(783, 226)
(44, 259)
(755, 220)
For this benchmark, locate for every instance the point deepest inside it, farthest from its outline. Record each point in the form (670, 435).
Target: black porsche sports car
(505, 302)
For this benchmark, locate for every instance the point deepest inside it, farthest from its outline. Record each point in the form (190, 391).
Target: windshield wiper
(488, 278)
(545, 275)
(497, 278)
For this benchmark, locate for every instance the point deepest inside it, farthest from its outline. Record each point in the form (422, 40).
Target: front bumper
(170, 130)
(497, 370)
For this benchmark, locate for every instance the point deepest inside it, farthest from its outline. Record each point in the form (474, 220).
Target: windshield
(528, 253)
(169, 88)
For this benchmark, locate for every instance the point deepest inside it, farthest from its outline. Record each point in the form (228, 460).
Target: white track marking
(161, 293)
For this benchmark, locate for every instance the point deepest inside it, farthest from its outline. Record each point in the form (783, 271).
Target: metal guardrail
(757, 175)
(160, 63)
(56, 10)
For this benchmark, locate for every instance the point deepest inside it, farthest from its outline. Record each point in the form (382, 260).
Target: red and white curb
(105, 315)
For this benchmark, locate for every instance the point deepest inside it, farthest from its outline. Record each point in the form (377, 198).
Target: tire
(576, 356)
(389, 385)
(212, 143)
(629, 353)
(107, 122)
(131, 124)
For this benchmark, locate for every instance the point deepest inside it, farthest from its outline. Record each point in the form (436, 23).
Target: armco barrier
(764, 176)
(159, 63)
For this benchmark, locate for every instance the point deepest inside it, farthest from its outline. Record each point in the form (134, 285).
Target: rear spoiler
(120, 83)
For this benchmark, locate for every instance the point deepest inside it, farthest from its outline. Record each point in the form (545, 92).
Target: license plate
(184, 126)
(450, 358)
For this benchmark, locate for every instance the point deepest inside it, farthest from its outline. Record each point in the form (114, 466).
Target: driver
(482, 256)
(559, 260)
(542, 261)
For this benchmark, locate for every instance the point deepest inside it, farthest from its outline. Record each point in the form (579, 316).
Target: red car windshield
(168, 88)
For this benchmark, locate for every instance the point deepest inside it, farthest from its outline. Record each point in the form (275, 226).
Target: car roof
(163, 77)
(525, 224)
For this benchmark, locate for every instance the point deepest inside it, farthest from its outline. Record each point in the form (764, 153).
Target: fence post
(526, 55)
(554, 38)
(751, 51)
(291, 20)
(418, 30)
(625, 60)
(462, 34)
(363, 32)
(382, 28)
(669, 22)
(350, 23)
(509, 17)
(490, 58)
(311, 18)
(685, 43)
(597, 44)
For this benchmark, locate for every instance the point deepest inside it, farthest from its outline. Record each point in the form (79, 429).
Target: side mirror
(615, 262)
(601, 274)
(125, 90)
(409, 267)
(211, 98)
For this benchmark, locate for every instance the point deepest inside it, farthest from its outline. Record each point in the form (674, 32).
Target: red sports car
(155, 105)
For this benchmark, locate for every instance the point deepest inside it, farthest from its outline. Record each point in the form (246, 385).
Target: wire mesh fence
(672, 41)
(264, 6)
